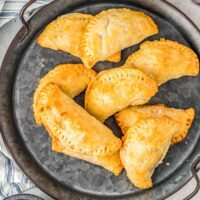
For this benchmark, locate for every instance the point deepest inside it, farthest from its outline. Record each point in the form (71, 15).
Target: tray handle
(197, 2)
(195, 168)
(23, 21)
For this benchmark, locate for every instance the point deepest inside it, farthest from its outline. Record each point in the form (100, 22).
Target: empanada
(65, 34)
(131, 115)
(164, 60)
(113, 30)
(78, 133)
(71, 78)
(115, 89)
(144, 147)
(111, 162)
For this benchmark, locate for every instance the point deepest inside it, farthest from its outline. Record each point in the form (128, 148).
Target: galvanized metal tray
(64, 177)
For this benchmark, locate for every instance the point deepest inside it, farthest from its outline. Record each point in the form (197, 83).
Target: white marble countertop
(191, 10)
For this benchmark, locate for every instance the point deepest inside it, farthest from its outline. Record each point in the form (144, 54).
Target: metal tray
(64, 177)
(23, 197)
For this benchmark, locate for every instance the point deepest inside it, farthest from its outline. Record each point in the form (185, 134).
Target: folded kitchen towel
(12, 179)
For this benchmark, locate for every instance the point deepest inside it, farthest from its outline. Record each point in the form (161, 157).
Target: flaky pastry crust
(112, 30)
(144, 147)
(131, 115)
(65, 33)
(164, 60)
(115, 89)
(71, 78)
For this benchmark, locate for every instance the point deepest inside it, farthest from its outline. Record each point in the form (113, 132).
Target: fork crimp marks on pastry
(73, 126)
(71, 78)
(144, 147)
(65, 33)
(131, 115)
(110, 162)
(75, 132)
(164, 60)
(148, 131)
(113, 30)
(115, 89)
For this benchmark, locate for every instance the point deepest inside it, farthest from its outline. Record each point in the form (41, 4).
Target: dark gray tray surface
(77, 174)
(15, 144)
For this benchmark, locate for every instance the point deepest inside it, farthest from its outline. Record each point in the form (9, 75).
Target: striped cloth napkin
(12, 179)
(9, 9)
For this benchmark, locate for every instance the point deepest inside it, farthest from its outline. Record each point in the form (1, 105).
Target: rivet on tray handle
(197, 2)
(195, 169)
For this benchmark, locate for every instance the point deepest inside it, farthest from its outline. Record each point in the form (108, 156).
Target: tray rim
(25, 195)
(9, 52)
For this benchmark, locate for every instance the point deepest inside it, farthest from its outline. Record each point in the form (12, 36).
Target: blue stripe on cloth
(9, 170)
(9, 175)
(8, 14)
(2, 191)
(13, 172)
(26, 179)
(17, 188)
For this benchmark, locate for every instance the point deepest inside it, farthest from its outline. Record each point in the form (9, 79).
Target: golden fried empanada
(144, 147)
(77, 133)
(164, 60)
(111, 162)
(113, 30)
(131, 115)
(65, 33)
(71, 78)
(115, 89)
